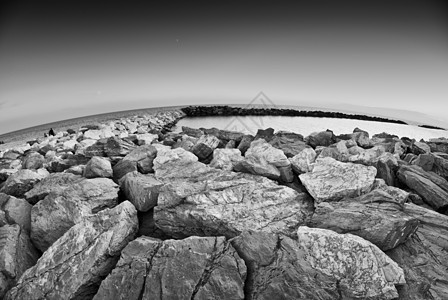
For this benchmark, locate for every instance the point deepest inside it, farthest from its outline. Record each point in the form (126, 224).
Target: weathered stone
(263, 150)
(98, 167)
(425, 161)
(55, 183)
(277, 269)
(54, 215)
(362, 139)
(430, 186)
(368, 157)
(410, 158)
(245, 143)
(22, 181)
(192, 131)
(302, 162)
(423, 257)
(117, 147)
(33, 160)
(266, 134)
(199, 200)
(66, 162)
(438, 145)
(141, 190)
(17, 254)
(290, 145)
(193, 268)
(362, 270)
(376, 217)
(387, 167)
(73, 267)
(205, 146)
(420, 148)
(17, 211)
(225, 135)
(440, 165)
(146, 138)
(331, 180)
(258, 166)
(187, 143)
(144, 157)
(122, 168)
(323, 138)
(226, 159)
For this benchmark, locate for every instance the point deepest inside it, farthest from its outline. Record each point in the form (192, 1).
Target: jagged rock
(423, 257)
(33, 160)
(146, 138)
(16, 210)
(410, 158)
(387, 167)
(187, 143)
(261, 149)
(144, 157)
(55, 183)
(96, 134)
(323, 138)
(54, 215)
(5, 173)
(332, 180)
(377, 217)
(17, 254)
(368, 157)
(361, 269)
(362, 139)
(290, 145)
(98, 167)
(397, 194)
(420, 148)
(205, 146)
(266, 134)
(199, 200)
(430, 186)
(332, 152)
(192, 131)
(22, 181)
(302, 162)
(226, 159)
(193, 268)
(141, 190)
(66, 162)
(438, 145)
(73, 267)
(440, 165)
(117, 147)
(122, 168)
(245, 143)
(257, 166)
(69, 145)
(225, 135)
(425, 161)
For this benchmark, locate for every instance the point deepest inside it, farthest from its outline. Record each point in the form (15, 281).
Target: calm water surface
(307, 125)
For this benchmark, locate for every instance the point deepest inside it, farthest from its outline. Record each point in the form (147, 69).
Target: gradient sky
(65, 59)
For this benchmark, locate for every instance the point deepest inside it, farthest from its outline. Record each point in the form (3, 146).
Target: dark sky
(63, 59)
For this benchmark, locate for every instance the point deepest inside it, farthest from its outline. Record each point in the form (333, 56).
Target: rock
(22, 181)
(141, 190)
(362, 139)
(54, 215)
(33, 160)
(258, 166)
(17, 254)
(302, 162)
(122, 168)
(144, 157)
(69, 145)
(192, 131)
(98, 134)
(277, 269)
(260, 149)
(146, 138)
(17, 211)
(5, 173)
(147, 226)
(199, 200)
(290, 145)
(226, 159)
(205, 146)
(368, 157)
(98, 167)
(117, 147)
(410, 158)
(187, 143)
(438, 145)
(423, 257)
(387, 167)
(231, 145)
(80, 258)
(224, 134)
(323, 138)
(420, 148)
(193, 268)
(331, 180)
(66, 162)
(266, 134)
(55, 182)
(385, 135)
(425, 161)
(376, 217)
(440, 165)
(430, 186)
(365, 274)
(332, 152)
(245, 143)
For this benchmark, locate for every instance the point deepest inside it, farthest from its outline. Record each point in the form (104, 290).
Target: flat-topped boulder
(331, 180)
(193, 268)
(80, 258)
(54, 215)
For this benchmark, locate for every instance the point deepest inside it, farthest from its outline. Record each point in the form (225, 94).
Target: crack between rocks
(148, 269)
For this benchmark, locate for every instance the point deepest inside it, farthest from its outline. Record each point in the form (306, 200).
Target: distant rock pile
(130, 210)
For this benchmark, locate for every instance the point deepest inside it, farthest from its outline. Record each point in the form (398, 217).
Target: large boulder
(55, 182)
(22, 181)
(193, 268)
(225, 135)
(245, 143)
(144, 157)
(73, 267)
(98, 167)
(362, 139)
(122, 168)
(423, 257)
(277, 269)
(377, 217)
(438, 145)
(430, 186)
(361, 269)
(17, 254)
(323, 138)
(54, 215)
(332, 180)
(290, 145)
(420, 148)
(141, 190)
(199, 200)
(16, 211)
(440, 164)
(302, 162)
(226, 159)
(205, 146)
(33, 160)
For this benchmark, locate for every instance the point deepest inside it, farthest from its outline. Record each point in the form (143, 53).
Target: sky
(66, 59)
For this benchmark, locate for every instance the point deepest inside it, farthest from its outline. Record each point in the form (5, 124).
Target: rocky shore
(129, 210)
